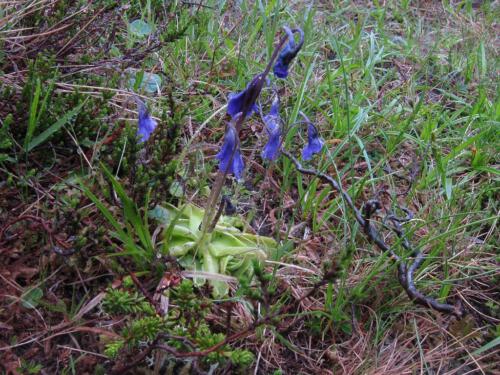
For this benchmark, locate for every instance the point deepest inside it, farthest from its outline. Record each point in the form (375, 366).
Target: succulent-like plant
(226, 250)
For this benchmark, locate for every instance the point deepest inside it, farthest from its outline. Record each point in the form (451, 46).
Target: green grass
(407, 101)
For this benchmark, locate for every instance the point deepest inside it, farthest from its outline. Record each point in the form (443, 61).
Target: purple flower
(288, 53)
(272, 123)
(244, 101)
(230, 160)
(314, 141)
(146, 124)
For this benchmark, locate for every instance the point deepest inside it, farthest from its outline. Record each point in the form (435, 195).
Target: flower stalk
(247, 101)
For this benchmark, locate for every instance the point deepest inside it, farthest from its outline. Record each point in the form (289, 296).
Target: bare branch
(405, 272)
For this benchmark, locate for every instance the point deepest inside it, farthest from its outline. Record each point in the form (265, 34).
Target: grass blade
(131, 213)
(33, 114)
(31, 144)
(488, 346)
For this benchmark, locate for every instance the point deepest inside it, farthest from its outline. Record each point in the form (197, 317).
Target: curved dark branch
(405, 272)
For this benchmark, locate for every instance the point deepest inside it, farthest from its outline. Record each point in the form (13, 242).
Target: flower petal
(272, 123)
(244, 101)
(238, 165)
(146, 124)
(230, 159)
(271, 149)
(235, 103)
(288, 53)
(314, 141)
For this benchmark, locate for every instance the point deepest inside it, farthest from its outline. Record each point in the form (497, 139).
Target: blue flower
(244, 101)
(272, 122)
(288, 53)
(146, 123)
(230, 160)
(314, 141)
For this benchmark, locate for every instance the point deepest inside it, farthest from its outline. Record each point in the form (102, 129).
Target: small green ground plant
(180, 331)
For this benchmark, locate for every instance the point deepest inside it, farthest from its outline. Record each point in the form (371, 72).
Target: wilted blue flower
(230, 160)
(244, 101)
(314, 141)
(288, 53)
(146, 123)
(272, 122)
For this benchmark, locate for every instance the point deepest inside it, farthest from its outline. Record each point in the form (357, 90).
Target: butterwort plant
(212, 243)
(219, 240)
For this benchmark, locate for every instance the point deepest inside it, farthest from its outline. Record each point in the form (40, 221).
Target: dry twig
(406, 272)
